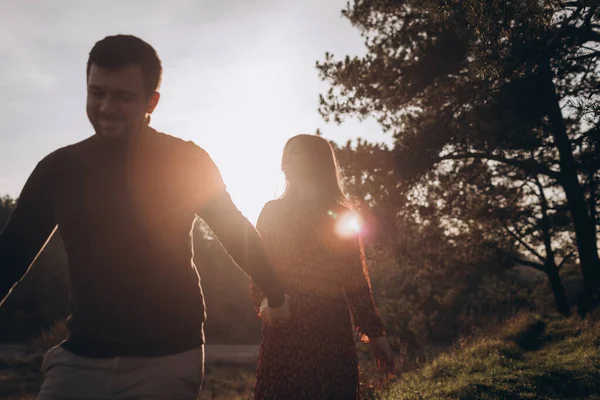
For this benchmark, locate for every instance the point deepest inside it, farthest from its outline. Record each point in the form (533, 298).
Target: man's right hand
(275, 316)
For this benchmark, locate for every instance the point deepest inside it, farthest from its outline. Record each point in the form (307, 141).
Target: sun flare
(349, 224)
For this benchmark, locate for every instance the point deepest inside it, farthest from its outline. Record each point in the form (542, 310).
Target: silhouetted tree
(434, 278)
(510, 83)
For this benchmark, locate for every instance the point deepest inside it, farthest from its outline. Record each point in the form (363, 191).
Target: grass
(20, 378)
(225, 382)
(531, 358)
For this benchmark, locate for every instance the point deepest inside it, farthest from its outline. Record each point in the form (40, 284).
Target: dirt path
(231, 354)
(215, 354)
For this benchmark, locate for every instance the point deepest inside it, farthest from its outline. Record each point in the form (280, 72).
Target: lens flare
(349, 224)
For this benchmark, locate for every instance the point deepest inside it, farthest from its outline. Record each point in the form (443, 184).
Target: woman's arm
(358, 291)
(363, 309)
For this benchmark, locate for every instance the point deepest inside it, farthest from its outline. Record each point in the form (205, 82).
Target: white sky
(239, 79)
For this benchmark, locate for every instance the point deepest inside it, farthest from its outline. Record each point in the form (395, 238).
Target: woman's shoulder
(286, 205)
(273, 204)
(272, 207)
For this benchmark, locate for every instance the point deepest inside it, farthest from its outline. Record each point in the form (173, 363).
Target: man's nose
(108, 105)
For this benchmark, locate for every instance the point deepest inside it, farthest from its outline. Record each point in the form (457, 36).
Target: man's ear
(152, 102)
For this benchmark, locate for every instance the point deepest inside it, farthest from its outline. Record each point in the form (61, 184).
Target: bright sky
(239, 79)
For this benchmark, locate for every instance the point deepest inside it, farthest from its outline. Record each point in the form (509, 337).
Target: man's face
(117, 103)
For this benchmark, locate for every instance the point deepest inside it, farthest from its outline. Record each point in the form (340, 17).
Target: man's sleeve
(234, 231)
(28, 229)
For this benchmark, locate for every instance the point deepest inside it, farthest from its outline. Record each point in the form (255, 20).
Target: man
(124, 201)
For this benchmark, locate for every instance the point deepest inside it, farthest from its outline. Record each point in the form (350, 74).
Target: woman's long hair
(327, 176)
(331, 187)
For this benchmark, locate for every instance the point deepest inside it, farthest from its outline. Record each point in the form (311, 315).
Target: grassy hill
(532, 357)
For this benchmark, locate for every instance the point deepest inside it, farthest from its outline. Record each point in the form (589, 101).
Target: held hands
(275, 316)
(384, 356)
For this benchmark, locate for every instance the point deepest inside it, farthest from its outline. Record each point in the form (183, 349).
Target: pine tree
(511, 83)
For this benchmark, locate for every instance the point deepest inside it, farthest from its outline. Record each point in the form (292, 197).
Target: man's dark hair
(120, 51)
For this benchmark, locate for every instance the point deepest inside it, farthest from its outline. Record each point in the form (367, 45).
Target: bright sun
(259, 181)
(349, 224)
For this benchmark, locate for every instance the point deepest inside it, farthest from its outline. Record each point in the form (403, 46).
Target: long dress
(313, 356)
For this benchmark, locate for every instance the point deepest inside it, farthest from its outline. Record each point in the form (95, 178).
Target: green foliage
(566, 365)
(440, 265)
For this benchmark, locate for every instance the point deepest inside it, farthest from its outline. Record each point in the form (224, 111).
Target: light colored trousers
(175, 377)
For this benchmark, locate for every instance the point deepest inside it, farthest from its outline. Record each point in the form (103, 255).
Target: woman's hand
(275, 316)
(384, 356)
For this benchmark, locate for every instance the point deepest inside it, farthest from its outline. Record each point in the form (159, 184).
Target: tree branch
(562, 30)
(569, 3)
(510, 204)
(546, 229)
(589, 35)
(532, 264)
(584, 56)
(524, 244)
(530, 166)
(565, 259)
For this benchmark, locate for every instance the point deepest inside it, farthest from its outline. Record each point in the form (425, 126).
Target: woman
(313, 355)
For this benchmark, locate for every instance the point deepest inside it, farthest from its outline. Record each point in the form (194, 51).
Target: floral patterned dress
(313, 356)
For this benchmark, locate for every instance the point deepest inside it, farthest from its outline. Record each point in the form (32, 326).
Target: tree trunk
(550, 262)
(560, 297)
(585, 232)
(592, 199)
(558, 290)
